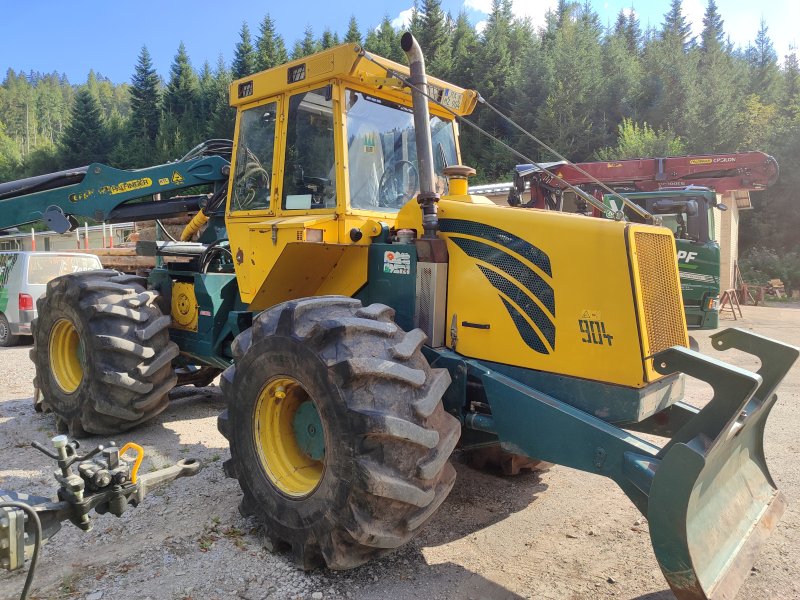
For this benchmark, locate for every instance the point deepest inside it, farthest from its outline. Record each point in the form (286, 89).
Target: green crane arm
(104, 193)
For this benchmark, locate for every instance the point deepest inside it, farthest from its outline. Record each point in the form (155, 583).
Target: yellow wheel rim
(65, 361)
(289, 437)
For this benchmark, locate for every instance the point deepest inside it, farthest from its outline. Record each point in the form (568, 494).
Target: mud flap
(712, 501)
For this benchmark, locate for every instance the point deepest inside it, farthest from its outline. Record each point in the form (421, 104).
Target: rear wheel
(198, 376)
(495, 459)
(6, 337)
(338, 436)
(102, 352)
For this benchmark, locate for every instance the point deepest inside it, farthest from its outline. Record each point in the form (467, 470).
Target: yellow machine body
(599, 300)
(556, 292)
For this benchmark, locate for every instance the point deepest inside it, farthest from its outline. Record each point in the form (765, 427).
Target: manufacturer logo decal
(126, 186)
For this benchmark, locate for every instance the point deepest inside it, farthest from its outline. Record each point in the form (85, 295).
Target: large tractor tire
(337, 432)
(102, 352)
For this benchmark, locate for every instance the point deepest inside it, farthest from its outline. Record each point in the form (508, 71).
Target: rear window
(42, 268)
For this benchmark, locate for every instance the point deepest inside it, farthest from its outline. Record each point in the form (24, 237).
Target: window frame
(404, 101)
(274, 185)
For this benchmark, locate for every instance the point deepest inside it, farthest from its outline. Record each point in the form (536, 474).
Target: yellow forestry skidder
(371, 316)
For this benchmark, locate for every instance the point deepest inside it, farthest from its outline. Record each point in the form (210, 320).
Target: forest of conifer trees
(591, 92)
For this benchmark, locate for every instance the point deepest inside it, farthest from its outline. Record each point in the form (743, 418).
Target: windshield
(42, 268)
(382, 152)
(695, 225)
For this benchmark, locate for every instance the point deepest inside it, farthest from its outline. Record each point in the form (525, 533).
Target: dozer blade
(712, 501)
(707, 493)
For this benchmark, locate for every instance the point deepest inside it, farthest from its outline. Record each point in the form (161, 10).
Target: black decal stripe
(499, 237)
(513, 267)
(527, 332)
(521, 299)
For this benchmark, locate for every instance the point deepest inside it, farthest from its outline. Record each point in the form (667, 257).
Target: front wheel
(337, 433)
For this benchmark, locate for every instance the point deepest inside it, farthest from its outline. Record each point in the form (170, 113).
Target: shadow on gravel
(445, 580)
(662, 595)
(478, 500)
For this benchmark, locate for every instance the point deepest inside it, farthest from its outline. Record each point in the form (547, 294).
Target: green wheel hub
(308, 430)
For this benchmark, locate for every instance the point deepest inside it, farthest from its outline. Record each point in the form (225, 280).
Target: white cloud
(481, 6)
(480, 26)
(534, 10)
(693, 11)
(628, 12)
(403, 20)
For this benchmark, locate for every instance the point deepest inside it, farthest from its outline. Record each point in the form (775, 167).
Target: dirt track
(560, 534)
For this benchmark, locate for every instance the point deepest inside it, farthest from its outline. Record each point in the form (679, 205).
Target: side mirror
(721, 206)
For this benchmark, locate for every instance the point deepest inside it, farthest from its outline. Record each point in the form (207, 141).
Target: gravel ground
(557, 534)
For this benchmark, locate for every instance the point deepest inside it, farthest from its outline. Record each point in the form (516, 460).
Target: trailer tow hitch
(100, 480)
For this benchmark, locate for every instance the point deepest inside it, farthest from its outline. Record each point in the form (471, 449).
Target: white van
(23, 278)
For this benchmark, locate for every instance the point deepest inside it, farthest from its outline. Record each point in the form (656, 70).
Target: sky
(107, 35)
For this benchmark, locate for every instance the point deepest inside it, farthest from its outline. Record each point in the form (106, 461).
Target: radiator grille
(661, 293)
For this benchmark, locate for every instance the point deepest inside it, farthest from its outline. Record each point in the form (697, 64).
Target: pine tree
(712, 36)
(676, 27)
(465, 47)
(309, 44)
(353, 35)
(622, 92)
(270, 48)
(434, 38)
(10, 156)
(384, 41)
(791, 86)
(415, 24)
(145, 99)
(570, 119)
(181, 96)
(244, 57)
(718, 111)
(620, 24)
(223, 116)
(633, 33)
(762, 61)
(328, 40)
(84, 140)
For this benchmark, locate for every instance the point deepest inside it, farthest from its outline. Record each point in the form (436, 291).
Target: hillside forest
(589, 90)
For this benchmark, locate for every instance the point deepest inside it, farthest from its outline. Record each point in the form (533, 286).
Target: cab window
(253, 174)
(309, 175)
(382, 152)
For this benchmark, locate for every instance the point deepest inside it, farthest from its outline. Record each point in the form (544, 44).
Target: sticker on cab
(397, 262)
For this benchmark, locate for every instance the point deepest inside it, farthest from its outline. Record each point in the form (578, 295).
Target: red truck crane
(744, 171)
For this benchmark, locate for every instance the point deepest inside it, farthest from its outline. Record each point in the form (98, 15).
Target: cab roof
(343, 63)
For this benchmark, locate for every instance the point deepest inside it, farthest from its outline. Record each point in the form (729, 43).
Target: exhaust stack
(427, 196)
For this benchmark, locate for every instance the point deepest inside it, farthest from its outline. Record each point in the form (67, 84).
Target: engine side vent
(664, 325)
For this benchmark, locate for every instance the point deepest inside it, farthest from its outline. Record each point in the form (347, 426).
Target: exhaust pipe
(427, 196)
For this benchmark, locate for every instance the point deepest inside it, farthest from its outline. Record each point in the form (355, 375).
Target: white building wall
(728, 239)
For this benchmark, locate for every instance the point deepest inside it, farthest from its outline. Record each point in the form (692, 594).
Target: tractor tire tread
(127, 372)
(396, 424)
